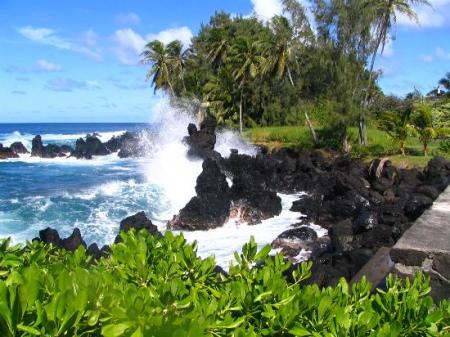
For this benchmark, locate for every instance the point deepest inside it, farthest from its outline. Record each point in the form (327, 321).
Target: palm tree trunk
(344, 140)
(240, 114)
(308, 121)
(365, 103)
(402, 147)
(311, 129)
(425, 148)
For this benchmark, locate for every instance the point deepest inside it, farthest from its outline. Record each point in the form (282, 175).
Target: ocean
(95, 195)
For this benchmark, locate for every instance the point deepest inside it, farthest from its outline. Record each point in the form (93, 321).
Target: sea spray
(168, 166)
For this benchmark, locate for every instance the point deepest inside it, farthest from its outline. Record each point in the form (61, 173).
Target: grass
(380, 144)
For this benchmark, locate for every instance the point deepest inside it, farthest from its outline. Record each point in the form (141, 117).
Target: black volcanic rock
(92, 146)
(19, 148)
(6, 152)
(48, 151)
(74, 241)
(70, 243)
(210, 207)
(50, 235)
(201, 142)
(256, 198)
(138, 221)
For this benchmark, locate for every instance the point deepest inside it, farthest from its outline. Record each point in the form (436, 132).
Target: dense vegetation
(158, 286)
(299, 69)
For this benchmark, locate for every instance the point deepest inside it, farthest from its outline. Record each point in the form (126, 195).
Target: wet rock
(92, 146)
(97, 253)
(18, 148)
(138, 221)
(129, 145)
(50, 235)
(210, 207)
(70, 243)
(309, 205)
(201, 142)
(74, 241)
(49, 151)
(6, 152)
(264, 201)
(244, 212)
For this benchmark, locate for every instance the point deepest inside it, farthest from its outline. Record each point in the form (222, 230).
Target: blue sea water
(95, 195)
(64, 193)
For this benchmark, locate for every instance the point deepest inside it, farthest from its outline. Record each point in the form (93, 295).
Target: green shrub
(151, 286)
(444, 146)
(373, 150)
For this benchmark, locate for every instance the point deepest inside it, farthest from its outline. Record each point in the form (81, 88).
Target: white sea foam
(168, 184)
(96, 160)
(228, 139)
(25, 138)
(222, 242)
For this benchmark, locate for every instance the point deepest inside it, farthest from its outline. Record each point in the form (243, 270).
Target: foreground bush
(151, 286)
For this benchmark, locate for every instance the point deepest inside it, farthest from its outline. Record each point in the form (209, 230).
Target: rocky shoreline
(363, 206)
(127, 145)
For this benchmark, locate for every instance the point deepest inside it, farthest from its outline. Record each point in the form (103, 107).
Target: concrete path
(426, 247)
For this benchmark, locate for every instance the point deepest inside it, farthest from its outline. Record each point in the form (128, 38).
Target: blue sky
(76, 61)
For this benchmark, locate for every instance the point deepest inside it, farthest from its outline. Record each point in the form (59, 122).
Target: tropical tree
(385, 12)
(246, 59)
(219, 46)
(176, 62)
(396, 125)
(280, 54)
(445, 82)
(219, 92)
(422, 125)
(156, 54)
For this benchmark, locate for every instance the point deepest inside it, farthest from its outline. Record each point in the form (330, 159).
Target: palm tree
(385, 17)
(176, 59)
(219, 94)
(396, 125)
(246, 59)
(218, 48)
(445, 82)
(280, 54)
(422, 124)
(155, 54)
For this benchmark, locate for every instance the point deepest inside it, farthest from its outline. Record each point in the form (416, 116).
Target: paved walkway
(426, 246)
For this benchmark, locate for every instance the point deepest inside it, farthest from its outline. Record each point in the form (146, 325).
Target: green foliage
(444, 146)
(422, 122)
(441, 113)
(396, 125)
(158, 286)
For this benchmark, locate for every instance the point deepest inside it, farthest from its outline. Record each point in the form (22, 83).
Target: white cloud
(129, 44)
(129, 18)
(266, 9)
(47, 36)
(44, 65)
(439, 54)
(69, 85)
(436, 15)
(442, 54)
(89, 38)
(426, 58)
(184, 34)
